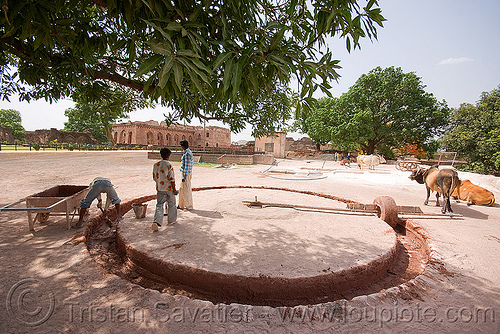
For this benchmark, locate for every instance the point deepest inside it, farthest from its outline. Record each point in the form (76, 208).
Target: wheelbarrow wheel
(387, 210)
(42, 217)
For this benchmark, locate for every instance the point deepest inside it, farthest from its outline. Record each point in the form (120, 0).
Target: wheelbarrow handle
(6, 207)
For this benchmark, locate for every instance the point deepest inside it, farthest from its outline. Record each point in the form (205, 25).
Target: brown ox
(442, 181)
(346, 163)
(473, 194)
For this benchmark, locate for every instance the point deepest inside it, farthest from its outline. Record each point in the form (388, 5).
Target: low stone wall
(263, 159)
(227, 159)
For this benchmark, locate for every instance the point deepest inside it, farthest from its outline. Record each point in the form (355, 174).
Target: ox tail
(455, 186)
(447, 191)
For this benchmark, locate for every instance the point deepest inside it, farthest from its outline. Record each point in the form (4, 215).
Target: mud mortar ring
(224, 251)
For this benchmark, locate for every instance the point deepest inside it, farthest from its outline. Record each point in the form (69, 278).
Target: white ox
(370, 160)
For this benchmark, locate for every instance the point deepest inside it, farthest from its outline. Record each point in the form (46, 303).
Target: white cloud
(451, 61)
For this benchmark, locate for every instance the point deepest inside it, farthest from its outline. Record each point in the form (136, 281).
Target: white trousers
(185, 194)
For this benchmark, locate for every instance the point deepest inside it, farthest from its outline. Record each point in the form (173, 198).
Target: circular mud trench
(226, 251)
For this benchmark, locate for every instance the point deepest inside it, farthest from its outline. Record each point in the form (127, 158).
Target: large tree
(475, 133)
(208, 59)
(98, 106)
(11, 119)
(385, 108)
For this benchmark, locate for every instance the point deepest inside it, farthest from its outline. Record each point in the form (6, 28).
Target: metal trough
(60, 200)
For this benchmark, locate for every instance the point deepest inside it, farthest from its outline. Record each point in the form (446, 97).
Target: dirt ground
(50, 285)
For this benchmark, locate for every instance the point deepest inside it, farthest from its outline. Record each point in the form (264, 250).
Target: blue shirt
(186, 163)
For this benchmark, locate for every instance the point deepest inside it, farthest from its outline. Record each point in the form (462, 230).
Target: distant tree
(83, 117)
(384, 109)
(98, 106)
(187, 55)
(317, 122)
(475, 133)
(431, 147)
(11, 119)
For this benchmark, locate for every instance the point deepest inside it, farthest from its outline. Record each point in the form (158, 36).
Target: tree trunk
(109, 134)
(370, 148)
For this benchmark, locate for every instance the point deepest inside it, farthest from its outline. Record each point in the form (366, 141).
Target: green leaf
(227, 74)
(279, 59)
(192, 67)
(148, 65)
(237, 73)
(167, 35)
(165, 72)
(370, 4)
(174, 26)
(161, 48)
(178, 75)
(195, 14)
(221, 59)
(187, 53)
(197, 84)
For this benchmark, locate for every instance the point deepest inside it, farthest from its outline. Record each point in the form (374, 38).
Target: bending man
(97, 186)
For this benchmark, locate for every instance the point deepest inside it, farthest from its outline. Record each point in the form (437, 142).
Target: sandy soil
(50, 285)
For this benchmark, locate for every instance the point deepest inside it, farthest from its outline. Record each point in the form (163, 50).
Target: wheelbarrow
(60, 200)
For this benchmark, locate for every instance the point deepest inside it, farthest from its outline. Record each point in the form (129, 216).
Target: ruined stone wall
(154, 133)
(303, 144)
(70, 137)
(6, 135)
(217, 136)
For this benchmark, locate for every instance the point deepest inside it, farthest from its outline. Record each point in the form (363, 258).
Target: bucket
(139, 210)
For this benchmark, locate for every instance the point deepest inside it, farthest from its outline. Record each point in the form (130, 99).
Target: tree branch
(115, 77)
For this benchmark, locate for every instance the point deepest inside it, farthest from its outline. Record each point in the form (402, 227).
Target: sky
(452, 45)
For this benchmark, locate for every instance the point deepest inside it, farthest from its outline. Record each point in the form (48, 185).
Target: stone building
(70, 137)
(274, 144)
(303, 144)
(154, 133)
(6, 135)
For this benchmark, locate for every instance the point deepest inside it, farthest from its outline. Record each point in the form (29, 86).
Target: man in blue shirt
(185, 193)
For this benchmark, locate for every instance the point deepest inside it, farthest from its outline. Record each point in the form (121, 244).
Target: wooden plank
(410, 210)
(362, 207)
(369, 208)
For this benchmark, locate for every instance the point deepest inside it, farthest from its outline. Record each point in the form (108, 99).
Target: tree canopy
(11, 119)
(207, 59)
(385, 108)
(475, 133)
